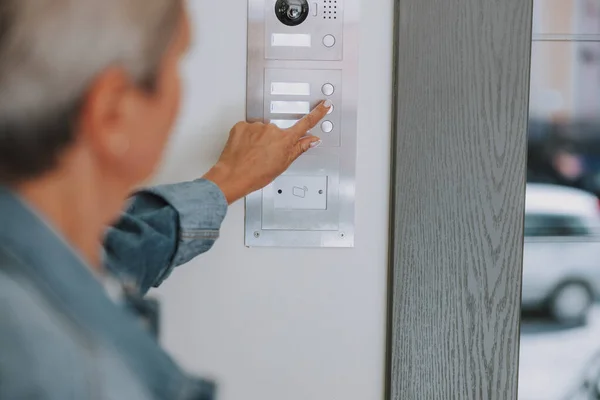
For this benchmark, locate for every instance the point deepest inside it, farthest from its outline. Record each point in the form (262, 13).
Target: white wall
(275, 324)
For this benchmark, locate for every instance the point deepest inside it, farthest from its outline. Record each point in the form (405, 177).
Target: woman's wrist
(222, 176)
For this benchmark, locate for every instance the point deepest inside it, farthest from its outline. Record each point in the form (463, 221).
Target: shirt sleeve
(164, 227)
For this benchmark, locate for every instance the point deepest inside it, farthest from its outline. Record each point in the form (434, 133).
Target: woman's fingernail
(328, 103)
(316, 144)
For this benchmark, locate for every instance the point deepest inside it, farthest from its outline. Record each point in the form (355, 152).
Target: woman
(89, 90)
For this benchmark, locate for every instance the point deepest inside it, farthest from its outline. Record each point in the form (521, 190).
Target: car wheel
(570, 303)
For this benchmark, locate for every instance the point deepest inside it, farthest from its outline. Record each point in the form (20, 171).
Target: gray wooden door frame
(458, 198)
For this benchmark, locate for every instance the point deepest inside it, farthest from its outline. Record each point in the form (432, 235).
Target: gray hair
(50, 52)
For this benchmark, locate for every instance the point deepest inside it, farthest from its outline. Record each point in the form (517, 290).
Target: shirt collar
(27, 236)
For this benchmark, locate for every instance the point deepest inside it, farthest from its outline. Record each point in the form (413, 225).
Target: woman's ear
(104, 113)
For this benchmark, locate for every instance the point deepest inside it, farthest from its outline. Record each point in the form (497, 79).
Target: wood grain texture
(459, 197)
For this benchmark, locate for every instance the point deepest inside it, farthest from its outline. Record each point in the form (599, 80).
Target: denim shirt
(61, 336)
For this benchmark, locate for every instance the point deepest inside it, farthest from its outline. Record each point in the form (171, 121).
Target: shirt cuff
(201, 207)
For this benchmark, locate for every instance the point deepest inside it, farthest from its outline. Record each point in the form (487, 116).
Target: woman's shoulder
(45, 354)
(39, 350)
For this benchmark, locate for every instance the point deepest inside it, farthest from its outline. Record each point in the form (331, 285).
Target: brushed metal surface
(329, 22)
(316, 79)
(461, 104)
(316, 220)
(300, 192)
(335, 159)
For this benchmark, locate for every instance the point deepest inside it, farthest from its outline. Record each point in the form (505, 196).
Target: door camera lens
(294, 12)
(291, 12)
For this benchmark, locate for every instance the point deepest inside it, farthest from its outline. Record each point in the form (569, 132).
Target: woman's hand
(256, 154)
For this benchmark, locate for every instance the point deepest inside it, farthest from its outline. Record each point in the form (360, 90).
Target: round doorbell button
(328, 89)
(327, 126)
(329, 41)
(330, 109)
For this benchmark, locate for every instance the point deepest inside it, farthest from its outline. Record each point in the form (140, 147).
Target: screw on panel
(257, 234)
(342, 235)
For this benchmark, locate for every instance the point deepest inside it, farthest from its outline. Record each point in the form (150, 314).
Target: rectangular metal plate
(290, 88)
(291, 40)
(299, 192)
(290, 107)
(275, 218)
(295, 109)
(305, 41)
(316, 205)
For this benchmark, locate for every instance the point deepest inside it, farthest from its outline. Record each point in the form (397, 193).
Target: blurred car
(561, 264)
(587, 386)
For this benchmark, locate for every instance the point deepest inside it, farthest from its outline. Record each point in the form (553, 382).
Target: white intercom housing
(299, 53)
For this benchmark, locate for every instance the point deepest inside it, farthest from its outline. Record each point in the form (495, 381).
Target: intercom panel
(304, 30)
(291, 93)
(301, 52)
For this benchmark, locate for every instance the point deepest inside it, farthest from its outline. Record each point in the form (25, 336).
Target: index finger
(310, 120)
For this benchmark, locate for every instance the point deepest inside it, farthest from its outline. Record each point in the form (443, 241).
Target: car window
(544, 225)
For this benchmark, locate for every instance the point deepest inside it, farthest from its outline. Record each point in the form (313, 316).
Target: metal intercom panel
(299, 53)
